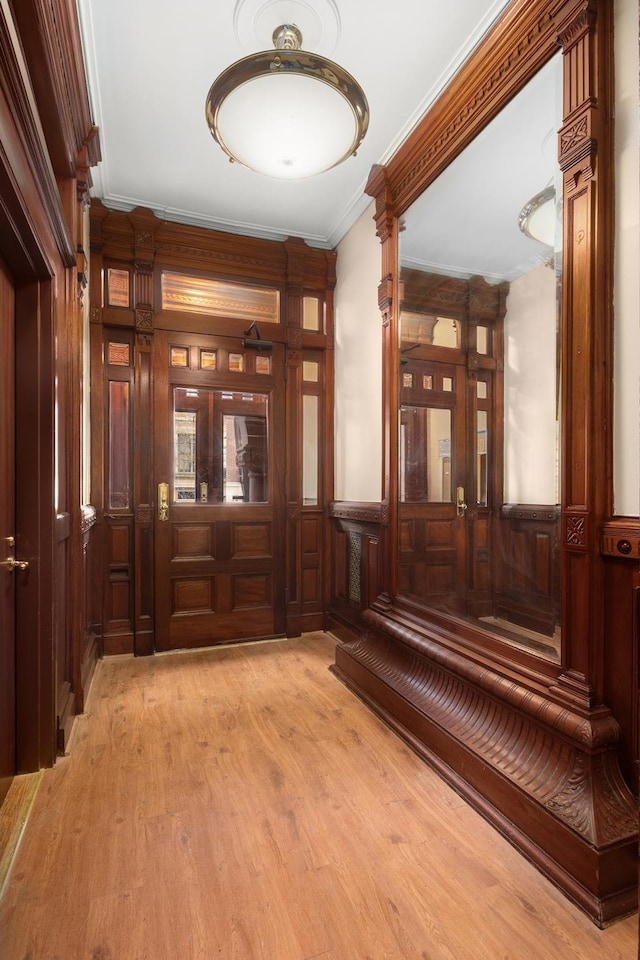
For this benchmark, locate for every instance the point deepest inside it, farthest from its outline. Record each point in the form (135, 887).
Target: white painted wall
(530, 433)
(626, 448)
(358, 365)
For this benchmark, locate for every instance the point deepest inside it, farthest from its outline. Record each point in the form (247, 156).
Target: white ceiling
(150, 64)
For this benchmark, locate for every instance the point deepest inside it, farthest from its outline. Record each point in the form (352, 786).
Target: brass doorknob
(12, 564)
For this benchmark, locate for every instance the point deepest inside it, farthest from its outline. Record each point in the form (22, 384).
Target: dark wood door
(220, 518)
(7, 534)
(433, 484)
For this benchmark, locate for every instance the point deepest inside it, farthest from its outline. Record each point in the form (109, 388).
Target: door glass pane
(117, 287)
(425, 454)
(310, 370)
(179, 357)
(311, 313)
(118, 445)
(118, 354)
(310, 450)
(419, 329)
(208, 360)
(481, 458)
(220, 446)
(184, 453)
(219, 298)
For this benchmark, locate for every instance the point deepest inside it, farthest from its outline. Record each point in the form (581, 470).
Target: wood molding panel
(620, 547)
(50, 36)
(535, 745)
(529, 592)
(357, 537)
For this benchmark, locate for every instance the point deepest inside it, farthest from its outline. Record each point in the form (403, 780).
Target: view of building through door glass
(479, 415)
(220, 449)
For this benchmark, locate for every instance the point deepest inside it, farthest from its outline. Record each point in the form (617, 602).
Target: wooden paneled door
(219, 428)
(433, 484)
(7, 534)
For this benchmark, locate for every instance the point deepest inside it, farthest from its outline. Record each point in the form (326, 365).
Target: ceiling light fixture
(287, 113)
(537, 219)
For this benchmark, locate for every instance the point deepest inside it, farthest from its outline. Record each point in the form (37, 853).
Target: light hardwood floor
(240, 803)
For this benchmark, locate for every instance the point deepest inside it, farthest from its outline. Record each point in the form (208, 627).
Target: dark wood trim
(357, 549)
(620, 538)
(51, 39)
(36, 705)
(15, 82)
(356, 510)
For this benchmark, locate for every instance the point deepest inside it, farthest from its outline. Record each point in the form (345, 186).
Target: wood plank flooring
(240, 803)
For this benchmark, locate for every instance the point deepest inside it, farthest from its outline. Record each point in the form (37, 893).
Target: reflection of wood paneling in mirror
(502, 329)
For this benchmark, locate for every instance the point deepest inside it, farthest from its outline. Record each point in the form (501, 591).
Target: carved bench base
(542, 776)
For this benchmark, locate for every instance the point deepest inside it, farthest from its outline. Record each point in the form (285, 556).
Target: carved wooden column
(389, 303)
(585, 154)
(292, 316)
(77, 585)
(328, 404)
(144, 225)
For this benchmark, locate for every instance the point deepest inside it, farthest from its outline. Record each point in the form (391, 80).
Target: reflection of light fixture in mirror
(287, 113)
(537, 218)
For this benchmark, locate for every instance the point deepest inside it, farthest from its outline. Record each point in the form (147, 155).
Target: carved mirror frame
(579, 828)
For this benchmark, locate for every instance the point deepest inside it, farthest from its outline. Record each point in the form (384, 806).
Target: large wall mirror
(487, 646)
(479, 398)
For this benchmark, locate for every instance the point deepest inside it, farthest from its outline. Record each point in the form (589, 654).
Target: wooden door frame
(143, 245)
(7, 531)
(221, 514)
(34, 464)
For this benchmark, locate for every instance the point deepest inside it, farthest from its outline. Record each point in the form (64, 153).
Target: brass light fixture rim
(539, 200)
(279, 62)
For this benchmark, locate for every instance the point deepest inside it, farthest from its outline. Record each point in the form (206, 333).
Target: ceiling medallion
(287, 113)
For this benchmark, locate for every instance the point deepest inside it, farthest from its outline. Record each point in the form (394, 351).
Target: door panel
(432, 467)
(219, 447)
(7, 532)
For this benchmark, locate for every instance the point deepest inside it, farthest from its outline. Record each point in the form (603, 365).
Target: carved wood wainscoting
(529, 589)
(357, 531)
(90, 650)
(65, 693)
(620, 548)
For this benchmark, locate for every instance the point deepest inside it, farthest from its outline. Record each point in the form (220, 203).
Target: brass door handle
(12, 564)
(163, 501)
(460, 504)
